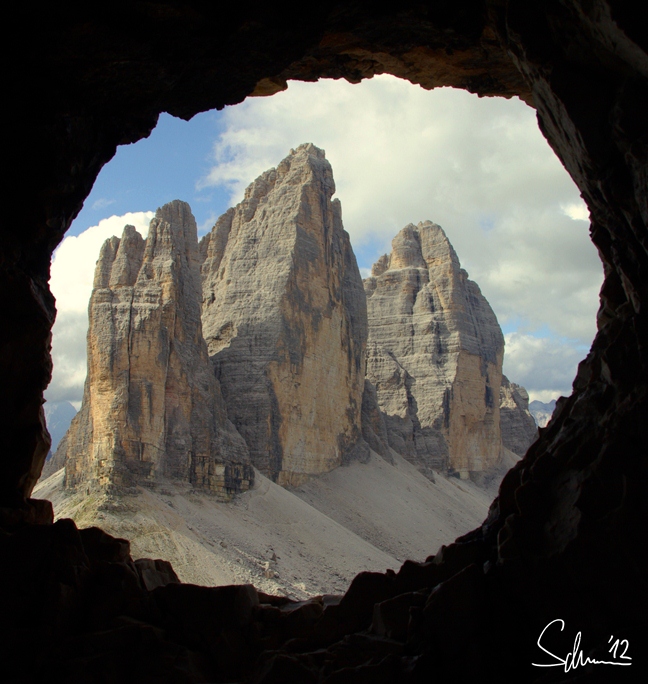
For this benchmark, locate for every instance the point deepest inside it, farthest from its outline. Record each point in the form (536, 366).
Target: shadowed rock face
(285, 321)
(566, 535)
(151, 406)
(518, 428)
(434, 355)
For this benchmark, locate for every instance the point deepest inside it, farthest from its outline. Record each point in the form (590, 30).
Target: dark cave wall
(566, 537)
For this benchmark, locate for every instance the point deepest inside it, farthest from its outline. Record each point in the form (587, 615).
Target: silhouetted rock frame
(567, 535)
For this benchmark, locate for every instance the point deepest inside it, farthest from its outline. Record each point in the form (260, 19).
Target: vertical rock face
(517, 425)
(152, 407)
(434, 355)
(284, 317)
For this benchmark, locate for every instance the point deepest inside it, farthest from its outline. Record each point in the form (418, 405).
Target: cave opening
(483, 172)
(581, 487)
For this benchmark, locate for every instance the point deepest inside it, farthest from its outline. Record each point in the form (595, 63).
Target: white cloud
(545, 396)
(72, 273)
(207, 224)
(546, 365)
(365, 272)
(69, 356)
(102, 203)
(74, 260)
(577, 211)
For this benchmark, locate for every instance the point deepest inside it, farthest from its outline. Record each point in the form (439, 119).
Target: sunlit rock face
(284, 317)
(434, 355)
(152, 408)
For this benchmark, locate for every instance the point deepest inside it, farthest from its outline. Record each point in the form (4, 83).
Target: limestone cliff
(517, 425)
(152, 408)
(284, 317)
(434, 355)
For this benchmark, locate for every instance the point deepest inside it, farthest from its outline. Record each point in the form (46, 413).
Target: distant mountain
(58, 415)
(518, 426)
(542, 412)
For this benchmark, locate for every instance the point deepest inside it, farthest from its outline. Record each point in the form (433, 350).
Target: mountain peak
(284, 317)
(151, 408)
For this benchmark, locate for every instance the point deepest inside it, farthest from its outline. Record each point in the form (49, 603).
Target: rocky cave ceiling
(565, 536)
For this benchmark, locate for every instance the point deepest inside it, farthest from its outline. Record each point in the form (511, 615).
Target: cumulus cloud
(72, 273)
(478, 167)
(69, 356)
(544, 365)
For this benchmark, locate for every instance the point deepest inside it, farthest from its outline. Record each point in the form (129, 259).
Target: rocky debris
(518, 428)
(284, 317)
(434, 355)
(317, 537)
(542, 411)
(152, 408)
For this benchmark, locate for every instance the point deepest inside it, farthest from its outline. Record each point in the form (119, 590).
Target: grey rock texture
(152, 408)
(374, 423)
(284, 317)
(434, 355)
(518, 428)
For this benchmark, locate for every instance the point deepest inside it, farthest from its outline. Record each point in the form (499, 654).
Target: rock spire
(152, 408)
(434, 355)
(300, 368)
(284, 317)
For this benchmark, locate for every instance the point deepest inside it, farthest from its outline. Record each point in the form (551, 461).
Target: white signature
(575, 657)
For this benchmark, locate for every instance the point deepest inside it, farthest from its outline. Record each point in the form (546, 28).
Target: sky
(479, 167)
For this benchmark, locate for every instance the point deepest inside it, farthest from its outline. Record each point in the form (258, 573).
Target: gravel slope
(299, 543)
